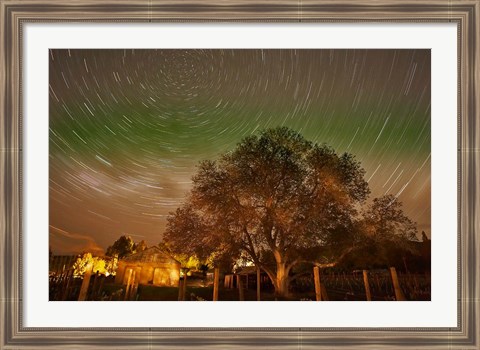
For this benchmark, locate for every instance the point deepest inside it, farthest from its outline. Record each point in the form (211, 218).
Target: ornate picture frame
(15, 14)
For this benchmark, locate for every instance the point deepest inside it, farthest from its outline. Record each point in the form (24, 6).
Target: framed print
(245, 175)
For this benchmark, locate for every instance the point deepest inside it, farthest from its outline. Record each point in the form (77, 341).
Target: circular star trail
(127, 127)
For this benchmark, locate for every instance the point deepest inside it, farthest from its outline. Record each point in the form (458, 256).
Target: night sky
(127, 127)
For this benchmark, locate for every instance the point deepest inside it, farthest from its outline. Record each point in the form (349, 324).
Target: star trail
(127, 127)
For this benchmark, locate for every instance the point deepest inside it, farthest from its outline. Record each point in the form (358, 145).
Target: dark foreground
(338, 287)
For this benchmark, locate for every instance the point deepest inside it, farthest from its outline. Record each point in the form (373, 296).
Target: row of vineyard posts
(63, 287)
(320, 288)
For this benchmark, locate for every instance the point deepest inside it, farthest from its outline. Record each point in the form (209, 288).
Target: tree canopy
(277, 198)
(385, 233)
(94, 264)
(384, 220)
(122, 247)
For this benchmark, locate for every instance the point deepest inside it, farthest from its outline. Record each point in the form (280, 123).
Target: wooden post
(184, 286)
(324, 292)
(67, 286)
(241, 295)
(100, 287)
(396, 285)
(318, 289)
(64, 262)
(133, 293)
(215, 283)
(95, 286)
(133, 286)
(367, 285)
(258, 284)
(85, 283)
(180, 289)
(226, 281)
(127, 287)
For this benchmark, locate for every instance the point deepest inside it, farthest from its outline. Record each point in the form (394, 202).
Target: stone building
(151, 266)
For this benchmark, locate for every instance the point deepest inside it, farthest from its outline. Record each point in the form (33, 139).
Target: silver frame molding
(16, 13)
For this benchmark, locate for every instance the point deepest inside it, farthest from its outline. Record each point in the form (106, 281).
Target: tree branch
(295, 276)
(292, 264)
(270, 273)
(334, 263)
(250, 244)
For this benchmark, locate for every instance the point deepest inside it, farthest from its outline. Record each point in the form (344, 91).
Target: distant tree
(385, 221)
(276, 197)
(188, 262)
(88, 262)
(165, 247)
(122, 247)
(386, 234)
(111, 265)
(140, 246)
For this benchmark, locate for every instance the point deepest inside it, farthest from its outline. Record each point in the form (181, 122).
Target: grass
(195, 293)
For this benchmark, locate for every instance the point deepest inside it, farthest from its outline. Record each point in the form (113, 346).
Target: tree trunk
(281, 282)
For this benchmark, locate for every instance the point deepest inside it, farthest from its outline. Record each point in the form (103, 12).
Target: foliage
(387, 235)
(384, 220)
(122, 247)
(111, 266)
(188, 262)
(88, 262)
(105, 266)
(384, 225)
(140, 246)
